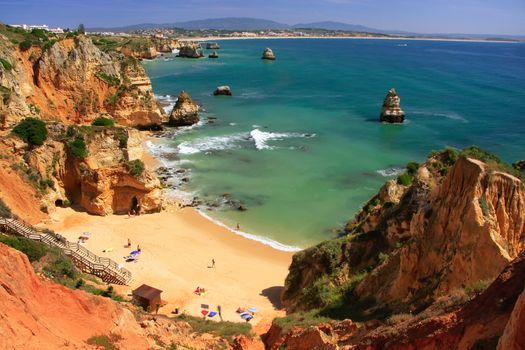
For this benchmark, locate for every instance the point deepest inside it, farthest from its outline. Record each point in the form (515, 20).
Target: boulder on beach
(190, 50)
(214, 54)
(391, 111)
(213, 46)
(222, 91)
(268, 54)
(185, 112)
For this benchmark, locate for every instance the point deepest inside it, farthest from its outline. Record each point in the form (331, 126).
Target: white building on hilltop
(57, 30)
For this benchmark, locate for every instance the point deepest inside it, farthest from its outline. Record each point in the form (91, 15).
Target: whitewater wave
(448, 115)
(262, 137)
(390, 172)
(213, 143)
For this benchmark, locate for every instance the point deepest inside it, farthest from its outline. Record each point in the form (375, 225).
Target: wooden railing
(88, 262)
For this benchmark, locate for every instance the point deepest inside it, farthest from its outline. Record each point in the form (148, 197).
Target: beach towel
(211, 314)
(134, 252)
(245, 314)
(252, 309)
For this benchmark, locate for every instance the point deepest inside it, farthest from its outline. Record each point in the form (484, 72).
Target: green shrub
(5, 94)
(224, 329)
(404, 179)
(32, 130)
(5, 211)
(78, 147)
(102, 121)
(102, 341)
(412, 168)
(61, 268)
(110, 79)
(25, 45)
(382, 257)
(6, 64)
(48, 45)
(484, 206)
(34, 250)
(136, 167)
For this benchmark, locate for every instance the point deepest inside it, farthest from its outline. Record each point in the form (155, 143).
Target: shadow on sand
(274, 295)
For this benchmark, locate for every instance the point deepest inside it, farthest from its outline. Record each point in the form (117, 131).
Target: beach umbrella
(252, 309)
(211, 314)
(204, 312)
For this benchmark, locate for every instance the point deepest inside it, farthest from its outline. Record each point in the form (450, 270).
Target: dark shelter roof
(146, 292)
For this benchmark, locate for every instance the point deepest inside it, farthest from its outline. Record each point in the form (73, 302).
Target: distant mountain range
(247, 23)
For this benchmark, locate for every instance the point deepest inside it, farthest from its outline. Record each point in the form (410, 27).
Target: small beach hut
(147, 297)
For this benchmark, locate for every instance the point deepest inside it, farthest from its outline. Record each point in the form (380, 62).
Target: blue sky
(424, 16)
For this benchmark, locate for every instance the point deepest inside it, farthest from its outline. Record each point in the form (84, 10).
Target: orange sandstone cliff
(73, 81)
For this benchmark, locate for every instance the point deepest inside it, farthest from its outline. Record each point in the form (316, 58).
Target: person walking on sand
(219, 311)
(138, 248)
(213, 263)
(129, 243)
(238, 227)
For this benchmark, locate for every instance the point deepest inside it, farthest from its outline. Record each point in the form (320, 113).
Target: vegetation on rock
(77, 147)
(32, 130)
(5, 211)
(136, 167)
(103, 121)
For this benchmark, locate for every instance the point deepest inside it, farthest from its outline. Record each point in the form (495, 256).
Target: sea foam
(390, 172)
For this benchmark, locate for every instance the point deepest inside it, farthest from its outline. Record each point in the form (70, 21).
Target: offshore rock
(223, 90)
(268, 54)
(185, 112)
(391, 111)
(214, 54)
(213, 46)
(190, 50)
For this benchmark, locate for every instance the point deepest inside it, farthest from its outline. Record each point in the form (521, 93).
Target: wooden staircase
(88, 262)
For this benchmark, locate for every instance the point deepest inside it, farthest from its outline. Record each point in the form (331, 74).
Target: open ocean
(300, 143)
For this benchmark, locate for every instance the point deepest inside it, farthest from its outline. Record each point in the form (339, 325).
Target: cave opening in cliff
(135, 205)
(59, 203)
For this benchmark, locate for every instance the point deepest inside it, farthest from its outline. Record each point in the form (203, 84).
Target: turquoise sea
(300, 143)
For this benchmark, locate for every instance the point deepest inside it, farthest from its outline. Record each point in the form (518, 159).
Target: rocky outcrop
(43, 315)
(391, 111)
(421, 241)
(190, 50)
(185, 112)
(214, 54)
(519, 165)
(165, 44)
(222, 91)
(514, 335)
(212, 46)
(495, 314)
(268, 54)
(75, 82)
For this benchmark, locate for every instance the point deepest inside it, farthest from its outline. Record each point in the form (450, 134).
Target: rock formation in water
(190, 50)
(268, 54)
(214, 54)
(74, 81)
(391, 111)
(223, 90)
(213, 46)
(185, 112)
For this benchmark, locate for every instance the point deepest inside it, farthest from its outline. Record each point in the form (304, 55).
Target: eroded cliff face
(37, 314)
(494, 315)
(74, 81)
(412, 244)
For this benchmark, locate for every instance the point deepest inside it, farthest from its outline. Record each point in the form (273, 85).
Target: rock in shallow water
(391, 111)
(268, 54)
(185, 112)
(222, 91)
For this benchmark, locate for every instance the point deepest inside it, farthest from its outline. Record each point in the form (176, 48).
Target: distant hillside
(328, 25)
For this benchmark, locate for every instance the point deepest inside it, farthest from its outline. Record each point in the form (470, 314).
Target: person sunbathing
(240, 310)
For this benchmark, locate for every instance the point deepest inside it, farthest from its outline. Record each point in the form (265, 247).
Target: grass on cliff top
(223, 329)
(5, 211)
(106, 342)
(53, 264)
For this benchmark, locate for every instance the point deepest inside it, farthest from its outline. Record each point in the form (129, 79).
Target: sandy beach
(178, 245)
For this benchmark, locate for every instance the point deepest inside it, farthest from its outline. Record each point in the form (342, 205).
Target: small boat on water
(175, 51)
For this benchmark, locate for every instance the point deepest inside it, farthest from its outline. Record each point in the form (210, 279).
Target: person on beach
(212, 263)
(138, 248)
(219, 311)
(129, 243)
(238, 227)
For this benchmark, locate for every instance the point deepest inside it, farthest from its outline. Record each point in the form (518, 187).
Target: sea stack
(214, 54)
(222, 91)
(190, 50)
(185, 112)
(268, 54)
(391, 111)
(212, 46)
